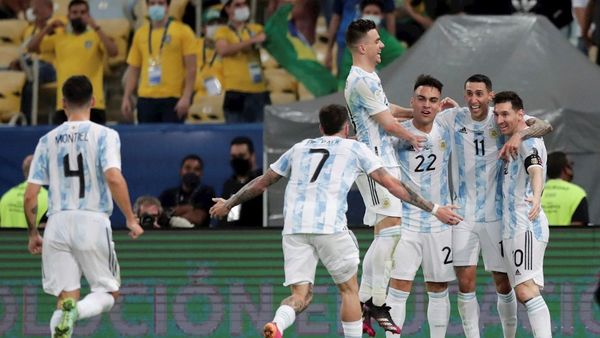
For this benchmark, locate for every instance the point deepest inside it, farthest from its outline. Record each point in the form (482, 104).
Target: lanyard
(212, 60)
(162, 40)
(238, 34)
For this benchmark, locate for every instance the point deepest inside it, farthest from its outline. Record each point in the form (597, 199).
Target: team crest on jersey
(386, 202)
(442, 145)
(493, 133)
(168, 39)
(87, 44)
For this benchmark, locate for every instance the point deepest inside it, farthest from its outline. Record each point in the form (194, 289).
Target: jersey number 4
(75, 173)
(325, 154)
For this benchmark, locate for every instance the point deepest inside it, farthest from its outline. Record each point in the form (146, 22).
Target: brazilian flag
(293, 53)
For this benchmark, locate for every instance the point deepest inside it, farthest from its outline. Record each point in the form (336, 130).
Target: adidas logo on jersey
(463, 130)
(518, 273)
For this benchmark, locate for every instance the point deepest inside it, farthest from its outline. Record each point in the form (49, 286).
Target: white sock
(539, 317)
(507, 310)
(396, 299)
(54, 321)
(285, 317)
(352, 329)
(365, 290)
(438, 313)
(383, 245)
(468, 307)
(94, 304)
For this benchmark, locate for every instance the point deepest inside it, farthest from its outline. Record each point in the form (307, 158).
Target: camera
(147, 220)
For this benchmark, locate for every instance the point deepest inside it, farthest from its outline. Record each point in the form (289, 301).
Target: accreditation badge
(255, 72)
(213, 86)
(154, 73)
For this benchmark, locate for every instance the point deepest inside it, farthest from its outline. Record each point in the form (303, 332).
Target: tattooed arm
(30, 206)
(537, 128)
(252, 189)
(405, 193)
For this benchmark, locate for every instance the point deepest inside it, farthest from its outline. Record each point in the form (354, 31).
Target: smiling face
(477, 98)
(371, 46)
(507, 118)
(425, 103)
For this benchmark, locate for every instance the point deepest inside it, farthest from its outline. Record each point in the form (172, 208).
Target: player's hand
(535, 207)
(182, 107)
(35, 244)
(126, 109)
(511, 148)
(135, 230)
(447, 215)
(417, 141)
(220, 209)
(448, 103)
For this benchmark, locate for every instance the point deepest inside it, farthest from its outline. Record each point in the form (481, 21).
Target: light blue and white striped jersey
(427, 172)
(476, 169)
(517, 186)
(365, 98)
(321, 172)
(71, 159)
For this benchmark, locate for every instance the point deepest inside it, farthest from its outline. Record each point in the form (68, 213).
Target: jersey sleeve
(446, 118)
(531, 154)
(38, 172)
(367, 160)
(283, 165)
(188, 41)
(223, 33)
(110, 151)
(371, 95)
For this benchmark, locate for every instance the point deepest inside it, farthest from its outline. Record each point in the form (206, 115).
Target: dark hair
(357, 30)
(481, 79)
(365, 3)
(79, 2)
(557, 161)
(192, 157)
(509, 96)
(428, 81)
(168, 2)
(77, 90)
(332, 118)
(244, 140)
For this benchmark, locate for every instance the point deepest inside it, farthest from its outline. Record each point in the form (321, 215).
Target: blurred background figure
(12, 9)
(149, 212)
(209, 78)
(564, 203)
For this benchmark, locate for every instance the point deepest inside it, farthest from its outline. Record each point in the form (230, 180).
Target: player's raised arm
(118, 188)
(392, 127)
(537, 128)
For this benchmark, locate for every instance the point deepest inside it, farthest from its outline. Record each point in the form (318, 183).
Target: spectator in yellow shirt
(238, 45)
(79, 51)
(163, 58)
(209, 79)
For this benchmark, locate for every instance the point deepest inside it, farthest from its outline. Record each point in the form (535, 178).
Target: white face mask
(241, 14)
(376, 19)
(29, 16)
(210, 31)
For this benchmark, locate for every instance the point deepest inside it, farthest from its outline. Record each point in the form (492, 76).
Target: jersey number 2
(75, 173)
(325, 153)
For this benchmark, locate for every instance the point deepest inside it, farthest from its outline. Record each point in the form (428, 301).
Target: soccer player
(373, 118)
(425, 241)
(476, 148)
(80, 162)
(525, 226)
(321, 172)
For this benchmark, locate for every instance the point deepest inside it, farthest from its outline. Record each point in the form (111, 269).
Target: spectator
(238, 44)
(417, 16)
(209, 80)
(564, 203)
(592, 16)
(10, 9)
(304, 16)
(559, 12)
(372, 10)
(191, 199)
(12, 214)
(579, 7)
(243, 163)
(344, 12)
(149, 211)
(79, 51)
(165, 65)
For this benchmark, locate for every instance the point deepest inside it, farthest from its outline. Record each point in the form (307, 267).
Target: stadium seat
(282, 98)
(11, 31)
(304, 94)
(206, 109)
(280, 81)
(267, 60)
(11, 88)
(118, 30)
(8, 53)
(61, 7)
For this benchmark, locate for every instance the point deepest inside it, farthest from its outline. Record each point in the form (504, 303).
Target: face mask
(210, 31)
(241, 14)
(29, 16)
(190, 180)
(156, 12)
(240, 166)
(376, 19)
(78, 25)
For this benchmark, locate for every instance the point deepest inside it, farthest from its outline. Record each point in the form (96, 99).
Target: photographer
(152, 216)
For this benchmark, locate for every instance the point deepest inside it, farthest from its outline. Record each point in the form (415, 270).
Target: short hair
(332, 118)
(168, 2)
(481, 79)
(146, 200)
(192, 157)
(509, 96)
(78, 2)
(428, 81)
(357, 30)
(365, 3)
(77, 90)
(244, 140)
(556, 162)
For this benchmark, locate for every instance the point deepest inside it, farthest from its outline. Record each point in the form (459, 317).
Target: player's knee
(526, 291)
(436, 287)
(466, 279)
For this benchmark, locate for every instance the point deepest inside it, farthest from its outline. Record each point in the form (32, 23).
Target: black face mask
(78, 25)
(190, 180)
(240, 166)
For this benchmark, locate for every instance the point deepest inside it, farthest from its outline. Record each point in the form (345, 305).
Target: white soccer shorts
(524, 259)
(470, 238)
(79, 242)
(378, 200)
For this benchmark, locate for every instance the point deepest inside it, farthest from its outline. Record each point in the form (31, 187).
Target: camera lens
(147, 221)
